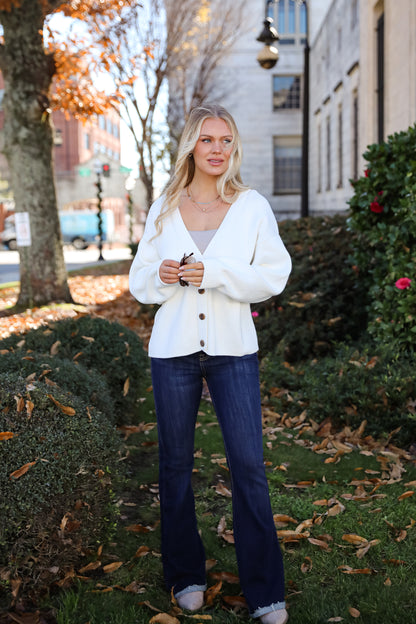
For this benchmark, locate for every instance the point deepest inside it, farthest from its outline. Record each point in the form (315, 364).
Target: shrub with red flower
(403, 283)
(376, 207)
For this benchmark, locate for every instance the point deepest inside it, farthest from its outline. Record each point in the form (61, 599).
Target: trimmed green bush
(59, 458)
(67, 375)
(383, 217)
(373, 384)
(323, 302)
(106, 347)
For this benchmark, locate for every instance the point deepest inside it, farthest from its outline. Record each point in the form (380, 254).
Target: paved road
(9, 260)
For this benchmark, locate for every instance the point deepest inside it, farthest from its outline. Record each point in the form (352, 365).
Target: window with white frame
(286, 92)
(287, 165)
(290, 19)
(340, 147)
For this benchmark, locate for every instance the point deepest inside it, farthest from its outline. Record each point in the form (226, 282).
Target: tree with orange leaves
(28, 69)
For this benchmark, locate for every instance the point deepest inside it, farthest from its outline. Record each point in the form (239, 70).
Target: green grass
(315, 593)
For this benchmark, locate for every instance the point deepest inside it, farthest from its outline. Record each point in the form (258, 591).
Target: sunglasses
(184, 260)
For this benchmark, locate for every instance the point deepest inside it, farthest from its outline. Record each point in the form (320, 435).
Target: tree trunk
(28, 142)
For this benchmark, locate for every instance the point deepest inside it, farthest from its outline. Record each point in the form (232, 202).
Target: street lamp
(98, 168)
(268, 57)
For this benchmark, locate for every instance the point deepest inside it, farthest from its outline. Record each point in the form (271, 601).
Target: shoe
(280, 616)
(192, 601)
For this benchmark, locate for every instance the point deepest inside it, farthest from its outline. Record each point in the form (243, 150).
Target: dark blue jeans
(234, 387)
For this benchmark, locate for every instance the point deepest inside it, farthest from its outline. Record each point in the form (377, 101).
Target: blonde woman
(210, 248)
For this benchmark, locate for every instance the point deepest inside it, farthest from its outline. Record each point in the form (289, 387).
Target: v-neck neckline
(220, 227)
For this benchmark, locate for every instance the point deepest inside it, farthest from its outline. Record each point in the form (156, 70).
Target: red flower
(367, 172)
(403, 283)
(375, 207)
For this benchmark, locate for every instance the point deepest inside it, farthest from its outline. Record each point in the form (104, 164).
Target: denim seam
(277, 606)
(189, 589)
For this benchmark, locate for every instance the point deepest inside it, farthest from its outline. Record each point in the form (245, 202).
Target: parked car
(78, 227)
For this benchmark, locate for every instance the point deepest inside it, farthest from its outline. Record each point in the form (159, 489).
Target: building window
(1, 98)
(290, 20)
(286, 92)
(354, 14)
(355, 136)
(97, 148)
(57, 137)
(340, 162)
(328, 153)
(287, 165)
(87, 141)
(101, 122)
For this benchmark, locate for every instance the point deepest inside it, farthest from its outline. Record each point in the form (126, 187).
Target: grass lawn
(346, 521)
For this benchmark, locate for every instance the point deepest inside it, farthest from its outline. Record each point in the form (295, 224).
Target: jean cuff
(276, 606)
(191, 588)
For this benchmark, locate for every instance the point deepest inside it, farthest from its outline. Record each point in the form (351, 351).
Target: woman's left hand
(192, 273)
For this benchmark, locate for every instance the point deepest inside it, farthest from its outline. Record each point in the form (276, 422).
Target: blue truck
(79, 228)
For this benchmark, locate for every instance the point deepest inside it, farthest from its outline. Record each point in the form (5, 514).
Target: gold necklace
(200, 205)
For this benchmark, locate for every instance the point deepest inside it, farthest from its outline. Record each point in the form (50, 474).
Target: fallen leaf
(20, 404)
(69, 411)
(164, 618)
(336, 509)
(93, 565)
(112, 567)
(221, 489)
(29, 408)
(235, 601)
(317, 542)
(306, 565)
(6, 435)
(126, 386)
(228, 577)
(351, 538)
(348, 570)
(405, 495)
(138, 528)
(89, 338)
(142, 551)
(21, 471)
(55, 347)
(354, 612)
(212, 592)
(336, 619)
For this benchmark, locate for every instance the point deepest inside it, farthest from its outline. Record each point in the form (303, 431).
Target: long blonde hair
(229, 184)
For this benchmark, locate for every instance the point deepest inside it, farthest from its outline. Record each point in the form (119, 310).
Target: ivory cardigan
(245, 262)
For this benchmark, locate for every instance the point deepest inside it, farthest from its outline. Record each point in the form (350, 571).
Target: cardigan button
(202, 343)
(202, 316)
(201, 291)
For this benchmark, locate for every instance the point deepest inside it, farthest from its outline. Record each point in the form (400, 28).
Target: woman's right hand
(168, 271)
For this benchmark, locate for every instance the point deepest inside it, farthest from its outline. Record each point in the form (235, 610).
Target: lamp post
(268, 57)
(98, 170)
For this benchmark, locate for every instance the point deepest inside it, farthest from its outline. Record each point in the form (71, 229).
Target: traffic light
(106, 171)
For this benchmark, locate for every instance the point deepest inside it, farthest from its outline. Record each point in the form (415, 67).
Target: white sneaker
(192, 601)
(280, 616)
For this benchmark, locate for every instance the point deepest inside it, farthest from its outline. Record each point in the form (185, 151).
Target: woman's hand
(192, 273)
(168, 271)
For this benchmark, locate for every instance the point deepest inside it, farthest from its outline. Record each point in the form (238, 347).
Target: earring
(190, 155)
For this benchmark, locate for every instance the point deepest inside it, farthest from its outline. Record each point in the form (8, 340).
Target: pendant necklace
(200, 205)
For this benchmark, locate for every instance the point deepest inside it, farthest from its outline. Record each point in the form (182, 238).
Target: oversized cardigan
(245, 262)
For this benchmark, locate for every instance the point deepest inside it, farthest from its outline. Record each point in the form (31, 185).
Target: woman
(210, 248)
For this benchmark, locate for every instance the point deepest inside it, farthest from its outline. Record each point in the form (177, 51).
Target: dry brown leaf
(163, 618)
(235, 601)
(364, 550)
(405, 495)
(142, 551)
(221, 489)
(228, 577)
(29, 408)
(212, 592)
(336, 509)
(21, 471)
(387, 582)
(55, 347)
(138, 528)
(6, 435)
(354, 612)
(89, 338)
(317, 542)
(346, 569)
(20, 404)
(306, 565)
(112, 567)
(336, 619)
(351, 538)
(93, 565)
(69, 411)
(285, 533)
(126, 386)
(284, 518)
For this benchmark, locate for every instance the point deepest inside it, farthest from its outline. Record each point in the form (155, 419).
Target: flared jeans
(234, 387)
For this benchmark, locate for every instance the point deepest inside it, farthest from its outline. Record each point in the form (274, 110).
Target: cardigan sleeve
(144, 280)
(251, 282)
